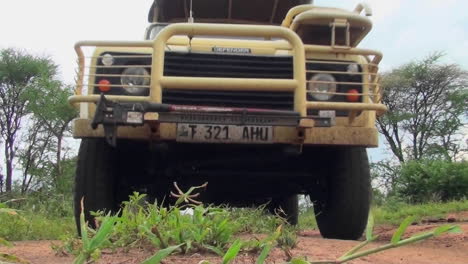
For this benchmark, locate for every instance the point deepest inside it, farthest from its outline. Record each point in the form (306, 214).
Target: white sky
(403, 30)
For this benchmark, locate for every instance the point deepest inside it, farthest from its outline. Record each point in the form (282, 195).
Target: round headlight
(321, 85)
(107, 59)
(134, 80)
(353, 68)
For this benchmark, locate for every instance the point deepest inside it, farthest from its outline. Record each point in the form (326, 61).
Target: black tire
(343, 211)
(289, 208)
(94, 179)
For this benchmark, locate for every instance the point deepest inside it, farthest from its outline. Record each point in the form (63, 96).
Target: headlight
(353, 68)
(320, 85)
(134, 79)
(107, 59)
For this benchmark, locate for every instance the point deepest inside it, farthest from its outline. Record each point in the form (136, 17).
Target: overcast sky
(403, 30)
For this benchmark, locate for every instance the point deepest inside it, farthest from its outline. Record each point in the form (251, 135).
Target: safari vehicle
(262, 99)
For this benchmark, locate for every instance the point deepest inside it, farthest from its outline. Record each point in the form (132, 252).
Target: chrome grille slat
(228, 66)
(271, 100)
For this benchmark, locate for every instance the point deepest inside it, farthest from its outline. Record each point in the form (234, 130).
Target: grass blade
(232, 252)
(83, 226)
(370, 227)
(103, 232)
(412, 239)
(161, 254)
(358, 247)
(401, 230)
(455, 230)
(299, 261)
(447, 228)
(216, 250)
(264, 254)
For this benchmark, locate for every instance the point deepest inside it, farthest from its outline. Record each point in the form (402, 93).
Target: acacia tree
(427, 109)
(19, 73)
(52, 112)
(33, 158)
(427, 106)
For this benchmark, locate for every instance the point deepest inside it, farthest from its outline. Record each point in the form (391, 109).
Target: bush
(424, 181)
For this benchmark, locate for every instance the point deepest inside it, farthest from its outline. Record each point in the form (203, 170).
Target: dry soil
(448, 248)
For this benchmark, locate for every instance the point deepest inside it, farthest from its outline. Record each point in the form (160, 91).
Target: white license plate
(224, 133)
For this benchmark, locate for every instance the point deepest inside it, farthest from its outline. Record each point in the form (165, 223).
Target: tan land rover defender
(262, 99)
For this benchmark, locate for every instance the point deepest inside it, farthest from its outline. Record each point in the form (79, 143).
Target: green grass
(53, 220)
(207, 229)
(395, 212)
(40, 217)
(31, 226)
(307, 220)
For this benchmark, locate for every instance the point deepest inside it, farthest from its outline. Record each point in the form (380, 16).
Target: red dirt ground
(449, 248)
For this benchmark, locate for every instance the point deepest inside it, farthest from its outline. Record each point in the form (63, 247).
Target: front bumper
(349, 136)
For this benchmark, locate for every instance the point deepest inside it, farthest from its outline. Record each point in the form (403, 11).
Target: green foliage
(270, 242)
(33, 105)
(395, 211)
(42, 216)
(433, 180)
(370, 226)
(160, 255)
(9, 258)
(232, 252)
(247, 220)
(401, 230)
(266, 245)
(31, 226)
(51, 103)
(44, 203)
(427, 104)
(65, 183)
(143, 223)
(204, 228)
(91, 246)
(18, 68)
(307, 220)
(20, 73)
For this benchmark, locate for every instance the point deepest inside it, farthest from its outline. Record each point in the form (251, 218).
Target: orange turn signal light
(104, 85)
(352, 95)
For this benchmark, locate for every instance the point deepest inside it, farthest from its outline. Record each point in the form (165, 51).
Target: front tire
(343, 211)
(94, 179)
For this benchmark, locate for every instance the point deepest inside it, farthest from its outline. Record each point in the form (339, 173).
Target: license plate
(327, 113)
(224, 133)
(135, 117)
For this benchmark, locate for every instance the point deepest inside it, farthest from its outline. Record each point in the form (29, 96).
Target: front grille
(265, 100)
(227, 66)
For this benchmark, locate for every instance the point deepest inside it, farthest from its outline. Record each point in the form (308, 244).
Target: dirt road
(449, 249)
